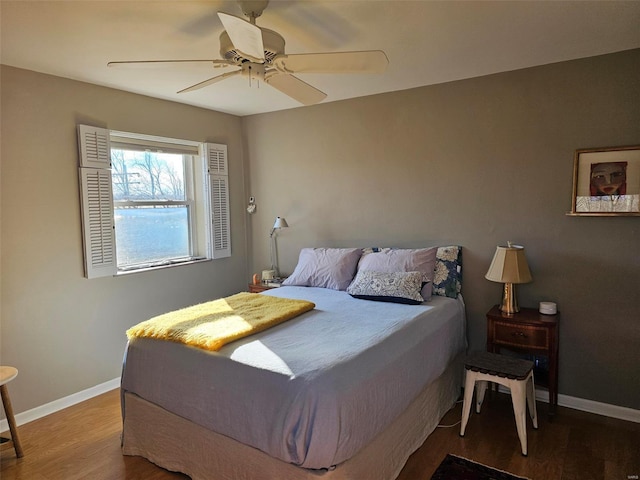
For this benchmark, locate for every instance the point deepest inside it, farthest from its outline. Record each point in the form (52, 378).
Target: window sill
(161, 266)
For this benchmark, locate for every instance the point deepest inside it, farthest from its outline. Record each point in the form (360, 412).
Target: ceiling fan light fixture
(255, 72)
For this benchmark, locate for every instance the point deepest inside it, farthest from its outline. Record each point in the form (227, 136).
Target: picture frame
(606, 182)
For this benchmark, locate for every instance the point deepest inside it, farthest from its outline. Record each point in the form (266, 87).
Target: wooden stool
(6, 375)
(514, 373)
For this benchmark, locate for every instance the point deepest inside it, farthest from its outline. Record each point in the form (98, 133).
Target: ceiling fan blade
(246, 37)
(167, 63)
(295, 88)
(369, 61)
(210, 81)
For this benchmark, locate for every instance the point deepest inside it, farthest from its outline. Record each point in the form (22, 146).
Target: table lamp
(279, 223)
(509, 266)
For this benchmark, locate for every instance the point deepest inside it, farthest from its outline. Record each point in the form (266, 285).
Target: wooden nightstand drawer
(531, 333)
(529, 336)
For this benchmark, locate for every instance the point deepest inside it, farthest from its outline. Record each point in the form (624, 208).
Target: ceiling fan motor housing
(272, 41)
(253, 9)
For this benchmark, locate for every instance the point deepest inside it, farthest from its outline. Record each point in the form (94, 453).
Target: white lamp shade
(280, 223)
(509, 265)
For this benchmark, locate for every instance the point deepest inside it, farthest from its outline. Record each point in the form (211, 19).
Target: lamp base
(509, 302)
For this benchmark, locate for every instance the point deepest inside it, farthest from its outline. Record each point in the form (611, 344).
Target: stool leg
(518, 398)
(531, 401)
(468, 399)
(480, 391)
(8, 409)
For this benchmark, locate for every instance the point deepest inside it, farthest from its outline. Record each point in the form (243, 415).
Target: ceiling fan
(259, 54)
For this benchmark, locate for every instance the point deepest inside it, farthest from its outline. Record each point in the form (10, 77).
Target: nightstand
(259, 287)
(532, 333)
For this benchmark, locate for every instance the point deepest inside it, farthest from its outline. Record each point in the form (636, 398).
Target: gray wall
(478, 163)
(63, 332)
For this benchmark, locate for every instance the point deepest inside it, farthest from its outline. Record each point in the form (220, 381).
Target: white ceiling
(427, 42)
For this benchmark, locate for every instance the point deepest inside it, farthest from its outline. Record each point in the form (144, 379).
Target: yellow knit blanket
(213, 324)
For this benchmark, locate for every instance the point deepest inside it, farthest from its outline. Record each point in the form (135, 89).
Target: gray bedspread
(314, 390)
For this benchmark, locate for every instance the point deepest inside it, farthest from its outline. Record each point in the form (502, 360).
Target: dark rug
(458, 468)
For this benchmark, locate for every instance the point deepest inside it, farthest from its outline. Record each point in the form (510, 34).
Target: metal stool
(514, 373)
(6, 375)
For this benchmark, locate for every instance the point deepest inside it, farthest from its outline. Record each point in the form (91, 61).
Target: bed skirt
(180, 445)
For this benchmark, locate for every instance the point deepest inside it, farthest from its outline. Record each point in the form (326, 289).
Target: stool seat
(6, 375)
(499, 365)
(514, 373)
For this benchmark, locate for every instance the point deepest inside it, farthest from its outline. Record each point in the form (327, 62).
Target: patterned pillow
(391, 260)
(447, 278)
(396, 287)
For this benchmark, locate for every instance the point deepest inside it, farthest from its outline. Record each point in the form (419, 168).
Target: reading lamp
(509, 266)
(279, 223)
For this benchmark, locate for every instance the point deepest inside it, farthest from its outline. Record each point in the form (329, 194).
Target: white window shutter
(94, 148)
(216, 158)
(216, 161)
(96, 202)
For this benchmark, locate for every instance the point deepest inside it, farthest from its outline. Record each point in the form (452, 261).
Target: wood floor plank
(83, 442)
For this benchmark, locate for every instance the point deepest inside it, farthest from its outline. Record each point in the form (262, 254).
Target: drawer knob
(519, 334)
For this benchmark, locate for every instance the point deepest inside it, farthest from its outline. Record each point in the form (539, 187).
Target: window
(150, 202)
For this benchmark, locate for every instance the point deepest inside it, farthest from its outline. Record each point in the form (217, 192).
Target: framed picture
(606, 182)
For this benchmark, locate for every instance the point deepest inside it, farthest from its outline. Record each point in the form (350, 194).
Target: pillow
(447, 279)
(325, 267)
(402, 260)
(396, 287)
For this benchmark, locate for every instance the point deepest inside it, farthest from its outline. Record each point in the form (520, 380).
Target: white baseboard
(613, 411)
(606, 409)
(56, 405)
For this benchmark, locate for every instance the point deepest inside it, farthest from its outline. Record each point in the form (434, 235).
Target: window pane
(147, 175)
(151, 234)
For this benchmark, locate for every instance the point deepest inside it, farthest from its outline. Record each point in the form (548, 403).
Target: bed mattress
(314, 390)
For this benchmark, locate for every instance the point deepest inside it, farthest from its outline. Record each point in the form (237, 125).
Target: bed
(347, 390)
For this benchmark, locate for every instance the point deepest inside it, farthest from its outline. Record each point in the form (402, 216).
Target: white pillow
(332, 268)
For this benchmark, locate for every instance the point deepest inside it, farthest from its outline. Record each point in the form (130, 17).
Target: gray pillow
(396, 287)
(332, 268)
(391, 260)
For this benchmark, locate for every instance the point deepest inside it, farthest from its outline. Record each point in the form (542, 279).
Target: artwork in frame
(606, 182)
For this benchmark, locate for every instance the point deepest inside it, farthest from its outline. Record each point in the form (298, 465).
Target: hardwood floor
(574, 445)
(83, 442)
